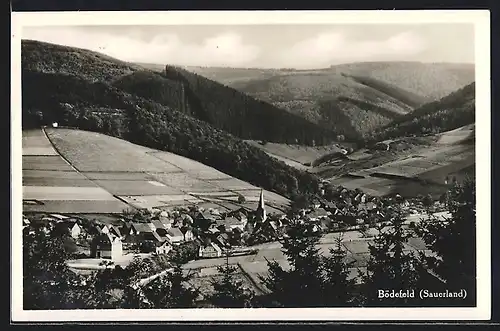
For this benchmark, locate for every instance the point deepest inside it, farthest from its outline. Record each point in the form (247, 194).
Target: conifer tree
(390, 267)
(302, 284)
(453, 240)
(229, 292)
(339, 287)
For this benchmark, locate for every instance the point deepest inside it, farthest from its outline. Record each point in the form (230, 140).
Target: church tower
(260, 213)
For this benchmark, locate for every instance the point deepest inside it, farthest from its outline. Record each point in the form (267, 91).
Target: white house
(210, 250)
(75, 230)
(163, 247)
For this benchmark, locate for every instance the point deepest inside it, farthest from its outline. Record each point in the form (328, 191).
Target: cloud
(336, 47)
(226, 49)
(230, 49)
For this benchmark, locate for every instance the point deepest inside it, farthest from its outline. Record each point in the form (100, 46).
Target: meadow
(97, 167)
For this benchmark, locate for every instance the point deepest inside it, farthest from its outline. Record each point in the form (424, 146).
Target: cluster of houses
(212, 231)
(158, 231)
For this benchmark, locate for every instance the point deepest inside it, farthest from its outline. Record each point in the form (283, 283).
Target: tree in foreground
(390, 267)
(453, 240)
(229, 292)
(339, 287)
(306, 282)
(47, 281)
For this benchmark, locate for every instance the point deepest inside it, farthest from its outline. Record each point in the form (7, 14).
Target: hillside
(223, 107)
(351, 99)
(455, 110)
(429, 80)
(108, 175)
(74, 98)
(412, 166)
(45, 57)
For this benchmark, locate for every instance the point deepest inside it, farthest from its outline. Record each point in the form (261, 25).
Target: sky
(268, 46)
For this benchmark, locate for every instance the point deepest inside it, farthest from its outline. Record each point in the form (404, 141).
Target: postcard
(250, 166)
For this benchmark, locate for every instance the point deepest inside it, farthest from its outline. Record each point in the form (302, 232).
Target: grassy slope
(67, 97)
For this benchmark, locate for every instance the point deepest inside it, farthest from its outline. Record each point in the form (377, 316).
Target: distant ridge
(79, 88)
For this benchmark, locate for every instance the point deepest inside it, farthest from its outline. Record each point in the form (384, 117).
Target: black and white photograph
(175, 166)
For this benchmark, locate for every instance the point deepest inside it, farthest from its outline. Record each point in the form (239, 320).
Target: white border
(481, 20)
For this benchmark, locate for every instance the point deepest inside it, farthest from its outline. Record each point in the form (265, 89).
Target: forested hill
(75, 90)
(351, 99)
(454, 110)
(224, 107)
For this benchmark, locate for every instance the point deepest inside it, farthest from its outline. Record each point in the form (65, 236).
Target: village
(209, 233)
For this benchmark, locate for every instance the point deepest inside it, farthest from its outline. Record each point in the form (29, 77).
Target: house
(187, 220)
(114, 230)
(26, 222)
(106, 246)
(175, 236)
(239, 214)
(360, 198)
(231, 223)
(210, 250)
(205, 219)
(163, 247)
(223, 240)
(59, 217)
(75, 230)
(188, 234)
(213, 230)
(318, 214)
(158, 224)
(137, 228)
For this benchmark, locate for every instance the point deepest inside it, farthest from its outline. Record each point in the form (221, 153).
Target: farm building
(106, 246)
(175, 236)
(210, 250)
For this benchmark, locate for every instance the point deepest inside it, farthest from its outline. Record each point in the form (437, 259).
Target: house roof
(142, 227)
(228, 221)
(320, 212)
(216, 247)
(206, 215)
(175, 232)
(224, 236)
(158, 224)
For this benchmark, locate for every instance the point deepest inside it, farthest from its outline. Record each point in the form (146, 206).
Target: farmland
(295, 155)
(354, 242)
(95, 173)
(419, 170)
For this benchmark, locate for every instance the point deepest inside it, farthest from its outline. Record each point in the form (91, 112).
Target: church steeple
(260, 213)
